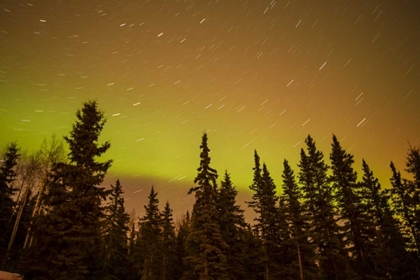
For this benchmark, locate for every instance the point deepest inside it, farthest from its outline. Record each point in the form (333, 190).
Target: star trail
(252, 74)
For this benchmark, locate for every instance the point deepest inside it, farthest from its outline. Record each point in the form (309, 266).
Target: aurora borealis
(253, 74)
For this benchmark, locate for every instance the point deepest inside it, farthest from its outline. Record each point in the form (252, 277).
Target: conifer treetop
(206, 176)
(83, 139)
(413, 164)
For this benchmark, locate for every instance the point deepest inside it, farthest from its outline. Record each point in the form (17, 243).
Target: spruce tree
(151, 239)
(318, 200)
(265, 204)
(302, 252)
(390, 258)
(402, 201)
(7, 192)
(413, 168)
(232, 228)
(168, 244)
(205, 259)
(374, 205)
(116, 235)
(358, 230)
(67, 233)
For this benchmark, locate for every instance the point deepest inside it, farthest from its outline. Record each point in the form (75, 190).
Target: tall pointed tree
(413, 168)
(390, 257)
(257, 189)
(205, 259)
(7, 192)
(67, 233)
(265, 204)
(318, 200)
(358, 231)
(303, 265)
(168, 244)
(116, 235)
(151, 239)
(403, 202)
(232, 228)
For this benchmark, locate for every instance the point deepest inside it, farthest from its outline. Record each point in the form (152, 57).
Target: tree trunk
(300, 260)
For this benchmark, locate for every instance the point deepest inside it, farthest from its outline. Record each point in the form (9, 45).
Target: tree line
(327, 222)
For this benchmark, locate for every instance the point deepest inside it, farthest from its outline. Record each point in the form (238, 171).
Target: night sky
(252, 74)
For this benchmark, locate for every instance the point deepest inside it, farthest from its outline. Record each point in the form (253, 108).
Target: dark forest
(322, 221)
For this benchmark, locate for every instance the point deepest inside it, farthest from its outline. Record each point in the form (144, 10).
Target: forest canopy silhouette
(322, 221)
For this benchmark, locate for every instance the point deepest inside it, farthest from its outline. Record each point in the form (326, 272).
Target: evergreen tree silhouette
(67, 233)
(267, 228)
(116, 235)
(168, 244)
(390, 257)
(7, 192)
(151, 239)
(402, 201)
(318, 200)
(302, 251)
(358, 231)
(413, 168)
(205, 259)
(232, 228)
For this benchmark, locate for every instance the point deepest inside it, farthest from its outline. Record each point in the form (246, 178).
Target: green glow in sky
(253, 75)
